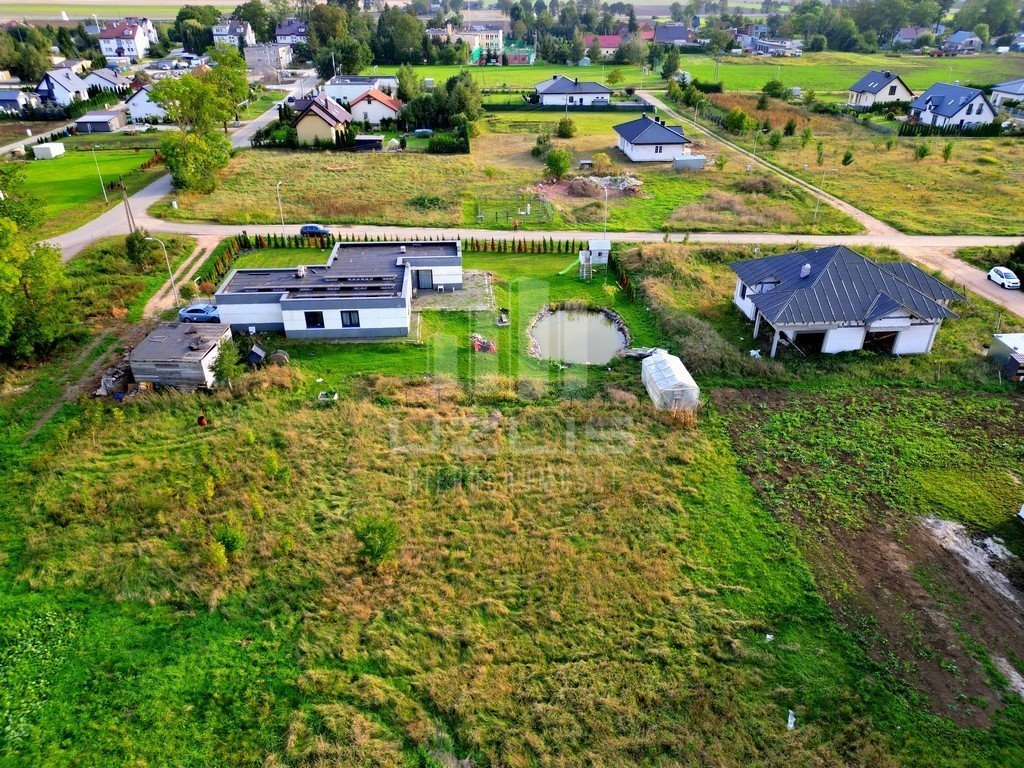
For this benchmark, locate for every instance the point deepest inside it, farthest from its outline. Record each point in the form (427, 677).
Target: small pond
(575, 336)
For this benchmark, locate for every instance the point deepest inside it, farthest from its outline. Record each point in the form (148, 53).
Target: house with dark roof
(292, 31)
(962, 42)
(13, 100)
(947, 105)
(1011, 90)
(648, 139)
(234, 32)
(833, 300)
(561, 91)
(365, 290)
(62, 86)
(678, 34)
(878, 87)
(320, 119)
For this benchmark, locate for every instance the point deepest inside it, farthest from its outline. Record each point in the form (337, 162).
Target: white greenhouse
(669, 384)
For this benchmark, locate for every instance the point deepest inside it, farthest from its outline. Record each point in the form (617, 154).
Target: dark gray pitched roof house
(947, 99)
(324, 107)
(874, 81)
(647, 130)
(292, 28)
(672, 34)
(836, 285)
(561, 85)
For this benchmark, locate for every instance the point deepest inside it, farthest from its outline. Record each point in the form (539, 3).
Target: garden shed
(669, 384)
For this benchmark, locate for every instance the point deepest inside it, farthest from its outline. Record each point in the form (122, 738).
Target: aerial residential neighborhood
(479, 385)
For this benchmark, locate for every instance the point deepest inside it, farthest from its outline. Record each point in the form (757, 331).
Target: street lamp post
(817, 202)
(757, 138)
(697, 106)
(280, 208)
(103, 187)
(170, 274)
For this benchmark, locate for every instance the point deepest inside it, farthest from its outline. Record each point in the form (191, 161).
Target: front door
(425, 279)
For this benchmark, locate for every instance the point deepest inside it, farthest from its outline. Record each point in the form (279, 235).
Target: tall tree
(256, 13)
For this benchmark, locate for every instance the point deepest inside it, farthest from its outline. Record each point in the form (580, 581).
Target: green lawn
(71, 190)
(140, 138)
(261, 104)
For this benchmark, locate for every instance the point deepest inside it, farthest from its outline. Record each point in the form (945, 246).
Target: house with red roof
(124, 42)
(374, 106)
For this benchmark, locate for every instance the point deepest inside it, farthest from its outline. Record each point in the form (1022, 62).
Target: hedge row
(916, 129)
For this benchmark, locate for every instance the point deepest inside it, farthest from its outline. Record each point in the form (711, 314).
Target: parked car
(1004, 277)
(199, 313)
(314, 230)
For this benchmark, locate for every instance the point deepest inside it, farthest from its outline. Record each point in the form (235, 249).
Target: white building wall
(389, 317)
(443, 275)
(746, 306)
(250, 314)
(372, 112)
(843, 340)
(573, 99)
(142, 109)
(915, 340)
(648, 153)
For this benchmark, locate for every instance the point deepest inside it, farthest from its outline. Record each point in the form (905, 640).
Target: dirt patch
(561, 191)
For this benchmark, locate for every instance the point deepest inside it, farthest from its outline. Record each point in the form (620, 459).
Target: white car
(1004, 277)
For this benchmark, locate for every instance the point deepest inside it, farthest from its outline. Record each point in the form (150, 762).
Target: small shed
(667, 381)
(179, 355)
(48, 151)
(367, 142)
(100, 122)
(690, 162)
(1008, 349)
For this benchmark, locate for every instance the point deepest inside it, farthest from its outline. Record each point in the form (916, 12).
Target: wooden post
(757, 322)
(775, 342)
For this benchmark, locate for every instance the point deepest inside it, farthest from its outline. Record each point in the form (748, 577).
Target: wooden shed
(180, 355)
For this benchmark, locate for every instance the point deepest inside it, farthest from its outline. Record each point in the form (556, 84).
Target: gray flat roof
(173, 342)
(363, 269)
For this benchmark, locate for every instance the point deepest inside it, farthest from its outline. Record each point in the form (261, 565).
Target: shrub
(805, 137)
(921, 151)
(140, 252)
(947, 152)
(228, 366)
(759, 185)
(720, 162)
(447, 144)
(566, 128)
(775, 89)
(602, 163)
(848, 156)
(820, 157)
(378, 538)
(216, 557)
(738, 121)
(558, 162)
(231, 536)
(762, 101)
(188, 291)
(708, 87)
(774, 140)
(790, 128)
(542, 146)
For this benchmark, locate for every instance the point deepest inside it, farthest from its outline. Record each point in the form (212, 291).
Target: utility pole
(817, 202)
(170, 274)
(280, 208)
(127, 205)
(103, 187)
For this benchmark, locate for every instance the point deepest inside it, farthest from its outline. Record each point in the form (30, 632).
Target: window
(314, 319)
(657, 149)
(892, 90)
(970, 109)
(349, 319)
(743, 291)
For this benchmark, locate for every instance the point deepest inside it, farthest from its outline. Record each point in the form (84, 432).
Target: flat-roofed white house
(364, 290)
(878, 87)
(833, 300)
(143, 110)
(946, 105)
(347, 88)
(648, 139)
(1011, 90)
(561, 90)
(267, 57)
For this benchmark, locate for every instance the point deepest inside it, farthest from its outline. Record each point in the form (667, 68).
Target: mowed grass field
(924, 196)
(579, 581)
(70, 189)
(491, 187)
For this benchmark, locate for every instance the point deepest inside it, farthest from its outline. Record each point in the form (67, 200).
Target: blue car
(199, 313)
(314, 230)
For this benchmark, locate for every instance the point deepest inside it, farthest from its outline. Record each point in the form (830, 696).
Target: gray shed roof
(842, 287)
(179, 342)
(1011, 86)
(646, 130)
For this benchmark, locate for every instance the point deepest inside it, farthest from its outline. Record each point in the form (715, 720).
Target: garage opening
(880, 341)
(810, 342)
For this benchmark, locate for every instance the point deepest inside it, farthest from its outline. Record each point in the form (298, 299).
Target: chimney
(887, 73)
(805, 270)
(576, 80)
(401, 249)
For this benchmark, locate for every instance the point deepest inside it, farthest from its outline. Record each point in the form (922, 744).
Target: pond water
(578, 337)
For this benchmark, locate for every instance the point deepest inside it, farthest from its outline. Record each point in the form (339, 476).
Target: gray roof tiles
(560, 84)
(946, 99)
(843, 287)
(646, 130)
(874, 81)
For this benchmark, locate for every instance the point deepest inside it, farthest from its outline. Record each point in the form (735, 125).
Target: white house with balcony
(124, 42)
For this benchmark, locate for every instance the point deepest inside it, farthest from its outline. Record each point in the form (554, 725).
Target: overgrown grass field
(918, 196)
(490, 188)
